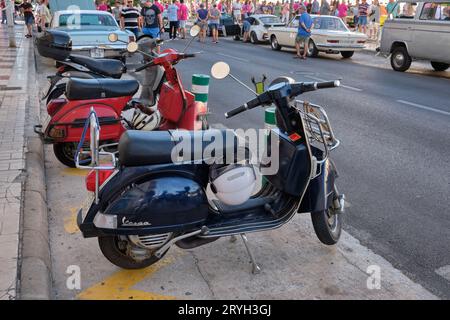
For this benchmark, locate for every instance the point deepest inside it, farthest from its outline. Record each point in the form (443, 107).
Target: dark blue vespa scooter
(152, 202)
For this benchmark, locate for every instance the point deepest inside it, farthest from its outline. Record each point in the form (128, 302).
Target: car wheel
(253, 38)
(274, 43)
(312, 49)
(400, 59)
(236, 38)
(439, 66)
(347, 54)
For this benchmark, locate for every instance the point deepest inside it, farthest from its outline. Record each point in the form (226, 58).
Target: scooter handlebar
(149, 64)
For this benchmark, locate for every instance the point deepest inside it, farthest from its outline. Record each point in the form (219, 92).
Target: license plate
(97, 53)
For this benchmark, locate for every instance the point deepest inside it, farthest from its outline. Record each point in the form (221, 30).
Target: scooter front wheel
(117, 251)
(327, 225)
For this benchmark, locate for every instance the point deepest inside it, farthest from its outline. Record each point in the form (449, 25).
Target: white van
(417, 30)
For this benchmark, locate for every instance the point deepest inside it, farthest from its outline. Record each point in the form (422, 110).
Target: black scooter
(152, 202)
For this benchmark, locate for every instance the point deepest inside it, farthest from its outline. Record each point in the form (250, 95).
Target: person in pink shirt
(295, 6)
(102, 6)
(159, 5)
(342, 10)
(183, 14)
(285, 13)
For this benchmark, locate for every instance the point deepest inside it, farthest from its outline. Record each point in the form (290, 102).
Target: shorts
(202, 25)
(374, 24)
(134, 30)
(29, 20)
(214, 25)
(362, 20)
(299, 39)
(152, 32)
(182, 23)
(246, 26)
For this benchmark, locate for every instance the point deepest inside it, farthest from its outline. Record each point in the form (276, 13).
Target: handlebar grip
(188, 55)
(235, 111)
(328, 84)
(144, 66)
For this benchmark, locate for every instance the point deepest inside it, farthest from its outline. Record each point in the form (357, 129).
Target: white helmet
(143, 121)
(233, 184)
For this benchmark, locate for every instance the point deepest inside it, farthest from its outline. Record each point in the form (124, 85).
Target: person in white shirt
(237, 7)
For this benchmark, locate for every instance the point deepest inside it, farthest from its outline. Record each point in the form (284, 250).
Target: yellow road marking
(119, 285)
(75, 172)
(70, 222)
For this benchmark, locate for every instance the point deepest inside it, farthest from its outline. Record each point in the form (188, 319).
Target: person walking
(214, 20)
(116, 11)
(237, 8)
(172, 16)
(183, 14)
(130, 18)
(102, 6)
(315, 7)
(3, 9)
(202, 22)
(152, 22)
(277, 9)
(363, 9)
(44, 15)
(325, 8)
(27, 9)
(303, 32)
(342, 10)
(374, 20)
(393, 8)
(285, 13)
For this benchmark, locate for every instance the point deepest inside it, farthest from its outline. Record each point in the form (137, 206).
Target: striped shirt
(131, 17)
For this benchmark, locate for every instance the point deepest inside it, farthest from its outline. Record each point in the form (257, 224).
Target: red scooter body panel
(170, 103)
(67, 124)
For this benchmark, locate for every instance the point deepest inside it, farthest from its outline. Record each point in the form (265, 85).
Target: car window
(407, 10)
(87, 20)
(294, 23)
(270, 20)
(328, 23)
(435, 11)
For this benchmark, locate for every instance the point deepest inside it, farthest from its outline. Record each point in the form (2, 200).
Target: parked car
(227, 26)
(89, 30)
(421, 30)
(329, 34)
(260, 23)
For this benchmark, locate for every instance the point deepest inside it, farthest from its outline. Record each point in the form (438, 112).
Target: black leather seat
(139, 148)
(83, 89)
(107, 67)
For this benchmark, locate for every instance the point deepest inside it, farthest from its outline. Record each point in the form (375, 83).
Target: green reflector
(269, 116)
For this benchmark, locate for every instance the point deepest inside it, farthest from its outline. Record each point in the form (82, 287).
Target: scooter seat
(86, 89)
(107, 67)
(140, 148)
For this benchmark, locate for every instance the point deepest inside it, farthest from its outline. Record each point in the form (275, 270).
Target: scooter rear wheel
(114, 251)
(65, 153)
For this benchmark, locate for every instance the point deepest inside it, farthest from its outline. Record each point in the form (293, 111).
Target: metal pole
(10, 20)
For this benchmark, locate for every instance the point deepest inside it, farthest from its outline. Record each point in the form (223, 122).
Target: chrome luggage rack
(95, 150)
(318, 129)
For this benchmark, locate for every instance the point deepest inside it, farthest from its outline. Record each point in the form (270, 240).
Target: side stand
(256, 269)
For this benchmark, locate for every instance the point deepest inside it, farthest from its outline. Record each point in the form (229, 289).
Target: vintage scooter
(176, 107)
(157, 194)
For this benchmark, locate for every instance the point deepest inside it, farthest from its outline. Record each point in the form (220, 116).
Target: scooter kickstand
(256, 269)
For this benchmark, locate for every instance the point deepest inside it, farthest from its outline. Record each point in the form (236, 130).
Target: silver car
(89, 30)
(417, 30)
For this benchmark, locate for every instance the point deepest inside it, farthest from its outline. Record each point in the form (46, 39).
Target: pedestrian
(152, 22)
(172, 16)
(277, 9)
(130, 18)
(374, 20)
(342, 10)
(27, 9)
(315, 7)
(285, 13)
(44, 15)
(392, 9)
(3, 9)
(237, 8)
(363, 8)
(246, 29)
(102, 6)
(202, 22)
(325, 8)
(214, 20)
(159, 5)
(303, 32)
(183, 15)
(355, 11)
(116, 11)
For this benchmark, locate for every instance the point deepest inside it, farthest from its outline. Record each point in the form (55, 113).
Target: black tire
(400, 59)
(274, 43)
(312, 49)
(347, 54)
(57, 92)
(65, 152)
(440, 66)
(253, 38)
(327, 226)
(236, 38)
(109, 245)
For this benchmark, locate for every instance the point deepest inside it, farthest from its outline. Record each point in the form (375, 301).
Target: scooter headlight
(105, 221)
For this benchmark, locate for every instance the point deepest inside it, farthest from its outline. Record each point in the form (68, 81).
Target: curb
(35, 270)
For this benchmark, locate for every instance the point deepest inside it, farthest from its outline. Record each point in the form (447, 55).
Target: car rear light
(61, 69)
(57, 133)
(361, 41)
(55, 105)
(103, 175)
(333, 41)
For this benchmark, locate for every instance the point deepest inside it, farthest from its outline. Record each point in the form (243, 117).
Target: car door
(289, 34)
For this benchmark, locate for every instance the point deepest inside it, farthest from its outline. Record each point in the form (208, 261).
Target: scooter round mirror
(220, 70)
(132, 47)
(195, 30)
(113, 37)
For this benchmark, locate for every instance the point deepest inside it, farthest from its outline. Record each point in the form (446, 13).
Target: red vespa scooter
(109, 98)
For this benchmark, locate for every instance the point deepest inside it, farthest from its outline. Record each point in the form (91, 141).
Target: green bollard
(200, 87)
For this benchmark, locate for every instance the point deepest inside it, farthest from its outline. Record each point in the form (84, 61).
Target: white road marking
(342, 85)
(233, 57)
(420, 106)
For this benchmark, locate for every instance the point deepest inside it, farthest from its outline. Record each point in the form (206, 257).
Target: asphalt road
(394, 158)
